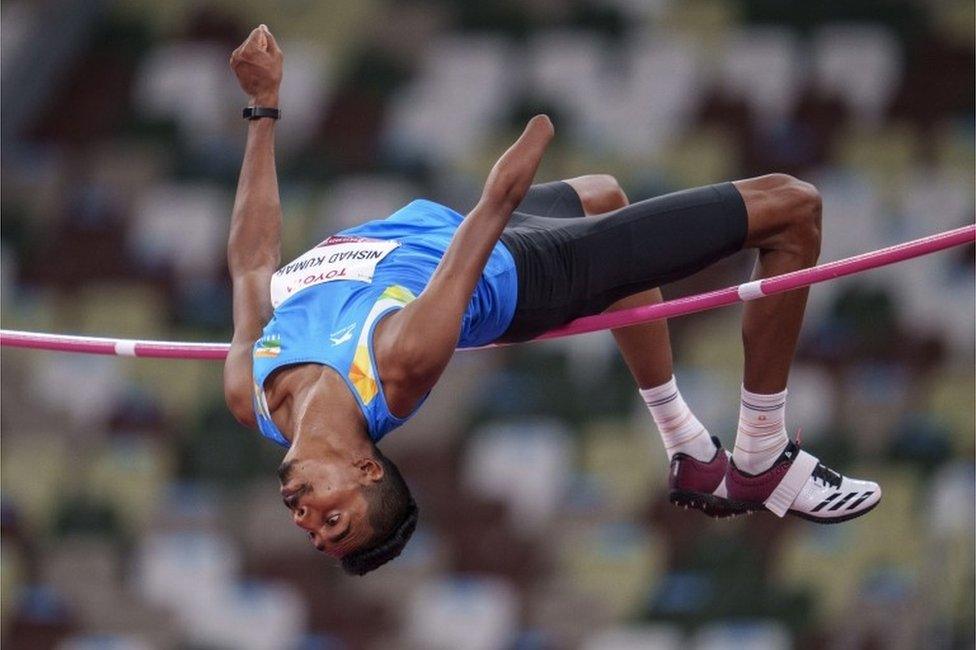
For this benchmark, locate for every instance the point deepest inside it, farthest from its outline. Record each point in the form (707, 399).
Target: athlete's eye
(333, 520)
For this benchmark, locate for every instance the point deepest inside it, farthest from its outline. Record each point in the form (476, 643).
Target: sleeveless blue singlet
(328, 301)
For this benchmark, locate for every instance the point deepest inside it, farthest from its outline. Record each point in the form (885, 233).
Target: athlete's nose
(301, 514)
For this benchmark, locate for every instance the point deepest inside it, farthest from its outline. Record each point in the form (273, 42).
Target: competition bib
(337, 258)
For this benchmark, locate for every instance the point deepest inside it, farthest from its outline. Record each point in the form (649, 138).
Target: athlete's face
(326, 500)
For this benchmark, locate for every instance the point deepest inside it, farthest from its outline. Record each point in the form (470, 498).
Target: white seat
(305, 88)
(652, 100)
(83, 387)
(753, 634)
(852, 225)
(861, 64)
(567, 68)
(525, 464)
(761, 67)
(189, 83)
(813, 399)
(659, 636)
(181, 225)
(469, 613)
(352, 200)
(250, 616)
(105, 642)
(933, 201)
(185, 571)
(463, 85)
(950, 510)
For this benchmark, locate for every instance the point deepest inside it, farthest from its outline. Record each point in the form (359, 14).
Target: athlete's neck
(325, 420)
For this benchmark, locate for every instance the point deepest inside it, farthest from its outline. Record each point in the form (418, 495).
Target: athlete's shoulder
(425, 209)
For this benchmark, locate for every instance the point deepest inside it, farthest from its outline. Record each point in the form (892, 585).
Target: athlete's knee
(599, 193)
(803, 204)
(784, 213)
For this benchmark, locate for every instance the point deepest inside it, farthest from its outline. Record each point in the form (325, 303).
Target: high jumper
(340, 346)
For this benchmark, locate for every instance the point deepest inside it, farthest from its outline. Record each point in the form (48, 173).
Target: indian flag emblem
(268, 347)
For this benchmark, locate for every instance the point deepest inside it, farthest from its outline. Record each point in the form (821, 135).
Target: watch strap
(257, 112)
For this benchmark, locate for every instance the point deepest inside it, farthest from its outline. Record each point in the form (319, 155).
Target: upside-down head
(361, 511)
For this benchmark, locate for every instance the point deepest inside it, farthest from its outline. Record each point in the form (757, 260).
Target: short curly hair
(393, 516)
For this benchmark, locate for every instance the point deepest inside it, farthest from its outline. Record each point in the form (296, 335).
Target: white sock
(680, 429)
(761, 437)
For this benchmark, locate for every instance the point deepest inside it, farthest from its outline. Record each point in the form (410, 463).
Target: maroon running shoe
(701, 485)
(800, 485)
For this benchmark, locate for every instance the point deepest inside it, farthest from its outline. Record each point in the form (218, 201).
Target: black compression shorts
(570, 265)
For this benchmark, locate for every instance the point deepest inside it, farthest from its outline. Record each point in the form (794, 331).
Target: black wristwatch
(257, 112)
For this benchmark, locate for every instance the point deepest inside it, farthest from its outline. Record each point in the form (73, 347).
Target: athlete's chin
(335, 555)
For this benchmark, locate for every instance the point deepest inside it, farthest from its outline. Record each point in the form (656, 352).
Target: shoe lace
(821, 473)
(826, 476)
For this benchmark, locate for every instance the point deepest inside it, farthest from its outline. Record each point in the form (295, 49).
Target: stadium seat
(463, 86)
(181, 227)
(524, 464)
(860, 63)
(659, 636)
(761, 67)
(188, 83)
(358, 199)
(462, 613)
(733, 635)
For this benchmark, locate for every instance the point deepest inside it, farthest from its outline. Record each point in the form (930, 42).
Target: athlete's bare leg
(784, 225)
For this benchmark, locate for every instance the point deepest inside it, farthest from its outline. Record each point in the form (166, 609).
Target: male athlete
(335, 349)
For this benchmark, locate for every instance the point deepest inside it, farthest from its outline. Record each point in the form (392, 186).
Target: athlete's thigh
(555, 200)
(656, 241)
(577, 267)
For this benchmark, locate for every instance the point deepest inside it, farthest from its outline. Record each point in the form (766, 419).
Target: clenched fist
(257, 64)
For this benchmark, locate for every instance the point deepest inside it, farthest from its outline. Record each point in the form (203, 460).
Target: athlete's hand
(257, 64)
(512, 175)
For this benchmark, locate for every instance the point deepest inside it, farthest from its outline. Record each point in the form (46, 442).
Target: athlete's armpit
(238, 382)
(252, 310)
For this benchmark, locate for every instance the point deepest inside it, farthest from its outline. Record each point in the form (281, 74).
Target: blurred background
(137, 514)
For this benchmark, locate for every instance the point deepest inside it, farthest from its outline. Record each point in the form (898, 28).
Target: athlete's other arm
(416, 343)
(253, 247)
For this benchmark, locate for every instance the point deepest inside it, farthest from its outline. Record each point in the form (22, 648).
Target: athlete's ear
(372, 471)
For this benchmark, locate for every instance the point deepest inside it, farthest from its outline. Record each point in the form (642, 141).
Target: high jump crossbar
(612, 320)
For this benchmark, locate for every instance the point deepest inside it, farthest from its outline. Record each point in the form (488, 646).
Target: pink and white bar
(769, 286)
(671, 309)
(117, 347)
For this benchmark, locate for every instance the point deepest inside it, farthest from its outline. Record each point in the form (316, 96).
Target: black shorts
(570, 265)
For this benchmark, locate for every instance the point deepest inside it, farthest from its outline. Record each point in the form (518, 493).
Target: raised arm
(253, 247)
(415, 344)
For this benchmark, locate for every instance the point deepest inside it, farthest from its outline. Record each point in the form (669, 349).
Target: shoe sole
(711, 505)
(722, 508)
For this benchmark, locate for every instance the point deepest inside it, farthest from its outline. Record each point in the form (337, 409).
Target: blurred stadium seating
(137, 514)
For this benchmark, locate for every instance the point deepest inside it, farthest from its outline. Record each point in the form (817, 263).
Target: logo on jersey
(344, 239)
(337, 258)
(341, 336)
(268, 347)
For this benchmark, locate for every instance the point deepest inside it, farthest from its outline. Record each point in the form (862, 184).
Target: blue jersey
(328, 301)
